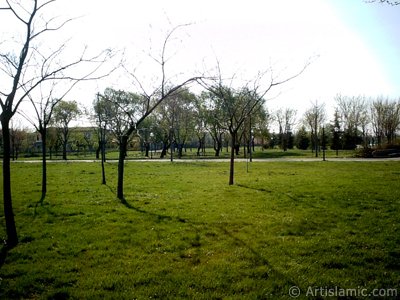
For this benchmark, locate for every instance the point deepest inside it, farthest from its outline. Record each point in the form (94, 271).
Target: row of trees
(369, 122)
(187, 119)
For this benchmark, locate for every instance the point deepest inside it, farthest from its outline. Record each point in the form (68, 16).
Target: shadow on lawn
(159, 217)
(3, 255)
(259, 259)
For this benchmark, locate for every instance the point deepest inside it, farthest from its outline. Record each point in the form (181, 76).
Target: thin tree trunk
(232, 162)
(43, 132)
(12, 237)
(98, 150)
(122, 152)
(64, 155)
(103, 158)
(65, 143)
(103, 171)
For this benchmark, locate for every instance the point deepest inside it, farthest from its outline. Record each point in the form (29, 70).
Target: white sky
(354, 45)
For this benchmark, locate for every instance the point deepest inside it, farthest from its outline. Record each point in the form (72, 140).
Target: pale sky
(354, 46)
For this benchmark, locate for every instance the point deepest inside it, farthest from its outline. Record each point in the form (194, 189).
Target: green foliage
(184, 233)
(64, 112)
(302, 139)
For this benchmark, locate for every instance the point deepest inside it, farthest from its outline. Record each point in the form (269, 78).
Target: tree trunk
(12, 237)
(180, 150)
(164, 149)
(147, 149)
(122, 152)
(200, 146)
(103, 157)
(43, 132)
(64, 155)
(217, 146)
(98, 150)
(65, 143)
(232, 162)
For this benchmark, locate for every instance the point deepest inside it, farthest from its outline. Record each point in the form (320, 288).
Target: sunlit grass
(184, 233)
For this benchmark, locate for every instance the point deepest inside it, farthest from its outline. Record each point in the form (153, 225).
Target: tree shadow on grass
(159, 217)
(254, 188)
(265, 191)
(259, 259)
(3, 254)
(40, 202)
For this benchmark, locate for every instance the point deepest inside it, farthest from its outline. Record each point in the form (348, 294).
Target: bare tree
(148, 103)
(237, 104)
(286, 118)
(314, 118)
(23, 69)
(212, 121)
(103, 114)
(352, 112)
(18, 135)
(43, 107)
(385, 119)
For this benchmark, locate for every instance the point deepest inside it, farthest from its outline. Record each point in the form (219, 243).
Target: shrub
(365, 152)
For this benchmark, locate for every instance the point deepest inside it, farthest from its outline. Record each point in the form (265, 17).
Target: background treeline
(193, 121)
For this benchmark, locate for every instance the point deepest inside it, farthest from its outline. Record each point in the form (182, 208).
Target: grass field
(184, 233)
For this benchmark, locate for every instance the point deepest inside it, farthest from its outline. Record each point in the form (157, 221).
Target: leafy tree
(103, 116)
(213, 116)
(120, 110)
(148, 133)
(178, 112)
(64, 113)
(201, 125)
(261, 121)
(302, 139)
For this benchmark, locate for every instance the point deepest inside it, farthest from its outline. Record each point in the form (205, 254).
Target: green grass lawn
(184, 233)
